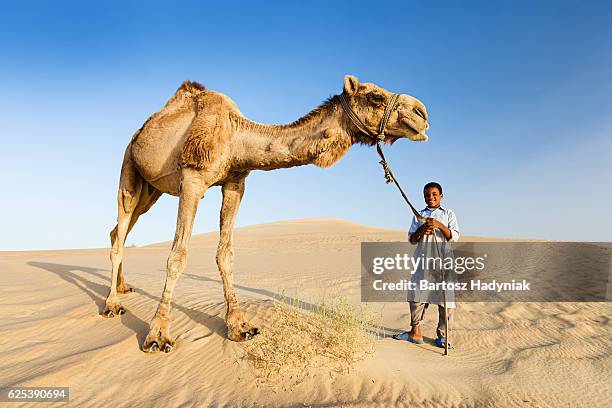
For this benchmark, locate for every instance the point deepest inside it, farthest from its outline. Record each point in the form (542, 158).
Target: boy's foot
(416, 334)
(440, 342)
(407, 337)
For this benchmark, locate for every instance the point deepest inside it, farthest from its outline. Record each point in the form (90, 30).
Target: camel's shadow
(306, 306)
(98, 292)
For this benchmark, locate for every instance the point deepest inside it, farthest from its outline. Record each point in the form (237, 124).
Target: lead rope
(390, 178)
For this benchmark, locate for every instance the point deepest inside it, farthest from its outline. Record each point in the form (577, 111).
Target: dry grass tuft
(301, 337)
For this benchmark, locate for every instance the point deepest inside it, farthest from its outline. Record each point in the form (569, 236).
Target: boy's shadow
(98, 292)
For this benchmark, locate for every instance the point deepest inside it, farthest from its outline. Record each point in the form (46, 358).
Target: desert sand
(507, 354)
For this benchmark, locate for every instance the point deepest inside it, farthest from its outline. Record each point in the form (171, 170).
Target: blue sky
(519, 97)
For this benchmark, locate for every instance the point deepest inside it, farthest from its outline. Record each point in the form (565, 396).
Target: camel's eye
(376, 98)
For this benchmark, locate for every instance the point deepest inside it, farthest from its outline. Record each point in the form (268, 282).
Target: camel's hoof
(150, 348)
(154, 346)
(113, 310)
(251, 333)
(245, 333)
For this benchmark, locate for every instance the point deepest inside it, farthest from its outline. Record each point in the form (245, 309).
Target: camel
(199, 139)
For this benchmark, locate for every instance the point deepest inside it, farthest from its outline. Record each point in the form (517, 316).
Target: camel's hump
(183, 97)
(181, 101)
(191, 87)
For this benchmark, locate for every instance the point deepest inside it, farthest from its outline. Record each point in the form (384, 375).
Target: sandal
(406, 336)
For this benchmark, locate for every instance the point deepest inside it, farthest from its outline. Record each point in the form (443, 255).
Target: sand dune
(508, 354)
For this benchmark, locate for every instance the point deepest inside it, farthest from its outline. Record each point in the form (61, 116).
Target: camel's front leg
(192, 189)
(237, 328)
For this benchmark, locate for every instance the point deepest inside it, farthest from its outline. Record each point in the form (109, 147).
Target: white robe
(434, 246)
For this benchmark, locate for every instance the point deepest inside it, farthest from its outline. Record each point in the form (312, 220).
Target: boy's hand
(429, 226)
(432, 224)
(436, 224)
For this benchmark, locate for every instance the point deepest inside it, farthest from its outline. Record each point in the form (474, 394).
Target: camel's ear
(351, 85)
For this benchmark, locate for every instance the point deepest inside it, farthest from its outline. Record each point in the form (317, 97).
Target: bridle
(377, 138)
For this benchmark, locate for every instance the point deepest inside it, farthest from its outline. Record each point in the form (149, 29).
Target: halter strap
(390, 107)
(353, 117)
(359, 123)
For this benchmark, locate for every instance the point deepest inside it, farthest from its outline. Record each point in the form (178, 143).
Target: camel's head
(407, 120)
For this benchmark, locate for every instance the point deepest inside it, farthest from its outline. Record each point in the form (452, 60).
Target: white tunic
(427, 248)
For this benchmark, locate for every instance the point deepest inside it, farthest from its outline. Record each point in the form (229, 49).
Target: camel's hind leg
(148, 197)
(192, 190)
(130, 188)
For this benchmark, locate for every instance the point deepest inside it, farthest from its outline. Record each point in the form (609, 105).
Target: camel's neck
(321, 137)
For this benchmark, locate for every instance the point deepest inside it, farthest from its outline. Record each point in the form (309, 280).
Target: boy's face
(432, 197)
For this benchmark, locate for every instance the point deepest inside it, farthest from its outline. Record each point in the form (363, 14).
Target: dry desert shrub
(301, 337)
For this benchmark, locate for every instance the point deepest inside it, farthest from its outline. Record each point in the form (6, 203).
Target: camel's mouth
(413, 126)
(411, 133)
(419, 137)
(414, 137)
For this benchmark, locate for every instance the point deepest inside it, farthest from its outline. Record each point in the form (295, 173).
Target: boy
(441, 226)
